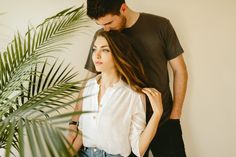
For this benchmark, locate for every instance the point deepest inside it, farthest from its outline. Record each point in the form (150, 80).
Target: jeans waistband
(96, 152)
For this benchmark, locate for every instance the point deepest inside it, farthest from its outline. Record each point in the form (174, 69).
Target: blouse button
(94, 117)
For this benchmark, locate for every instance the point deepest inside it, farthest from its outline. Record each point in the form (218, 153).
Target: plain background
(206, 30)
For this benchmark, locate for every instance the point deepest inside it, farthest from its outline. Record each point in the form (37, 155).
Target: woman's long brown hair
(125, 59)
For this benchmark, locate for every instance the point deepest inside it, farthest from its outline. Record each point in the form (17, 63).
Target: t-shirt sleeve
(173, 47)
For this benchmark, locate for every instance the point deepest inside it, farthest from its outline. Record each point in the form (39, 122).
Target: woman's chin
(98, 69)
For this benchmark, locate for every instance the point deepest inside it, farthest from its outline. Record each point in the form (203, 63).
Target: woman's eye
(106, 50)
(93, 49)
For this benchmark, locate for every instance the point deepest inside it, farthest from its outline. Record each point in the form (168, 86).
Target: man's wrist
(175, 115)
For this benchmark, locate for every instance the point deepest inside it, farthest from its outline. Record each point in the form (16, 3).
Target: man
(156, 43)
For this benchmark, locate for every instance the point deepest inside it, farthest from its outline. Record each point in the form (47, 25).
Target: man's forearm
(179, 91)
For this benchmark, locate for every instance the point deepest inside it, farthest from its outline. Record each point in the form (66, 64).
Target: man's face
(112, 22)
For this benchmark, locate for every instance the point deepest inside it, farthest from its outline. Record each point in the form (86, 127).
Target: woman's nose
(98, 54)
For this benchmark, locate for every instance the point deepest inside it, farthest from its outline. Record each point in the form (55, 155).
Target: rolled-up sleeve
(138, 122)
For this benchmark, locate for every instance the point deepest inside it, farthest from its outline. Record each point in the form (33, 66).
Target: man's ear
(123, 8)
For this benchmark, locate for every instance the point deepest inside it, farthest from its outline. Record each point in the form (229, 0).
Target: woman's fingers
(151, 91)
(146, 91)
(155, 99)
(153, 95)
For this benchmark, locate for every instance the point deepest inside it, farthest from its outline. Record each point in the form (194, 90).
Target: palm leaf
(38, 42)
(33, 91)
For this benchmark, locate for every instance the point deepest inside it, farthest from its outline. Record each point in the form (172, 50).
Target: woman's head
(102, 56)
(111, 50)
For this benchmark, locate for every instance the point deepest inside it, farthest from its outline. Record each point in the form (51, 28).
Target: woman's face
(102, 56)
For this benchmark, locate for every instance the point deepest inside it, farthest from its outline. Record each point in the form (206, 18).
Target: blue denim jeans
(95, 152)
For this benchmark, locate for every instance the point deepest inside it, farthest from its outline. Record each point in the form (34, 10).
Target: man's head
(110, 14)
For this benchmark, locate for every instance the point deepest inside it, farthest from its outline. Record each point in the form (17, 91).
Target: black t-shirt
(155, 42)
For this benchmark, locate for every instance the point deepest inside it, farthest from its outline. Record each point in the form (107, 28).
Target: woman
(117, 124)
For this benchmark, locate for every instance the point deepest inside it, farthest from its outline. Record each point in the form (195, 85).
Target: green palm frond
(37, 42)
(34, 91)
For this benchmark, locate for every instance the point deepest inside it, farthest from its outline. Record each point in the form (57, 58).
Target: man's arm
(179, 85)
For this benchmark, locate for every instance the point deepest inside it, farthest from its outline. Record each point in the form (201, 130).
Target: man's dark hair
(100, 8)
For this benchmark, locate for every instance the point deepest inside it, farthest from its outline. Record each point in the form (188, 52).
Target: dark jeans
(168, 141)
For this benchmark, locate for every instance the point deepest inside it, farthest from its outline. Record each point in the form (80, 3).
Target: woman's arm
(151, 128)
(74, 137)
(77, 143)
(73, 128)
(78, 107)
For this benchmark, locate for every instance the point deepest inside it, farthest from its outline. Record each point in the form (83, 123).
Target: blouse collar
(115, 85)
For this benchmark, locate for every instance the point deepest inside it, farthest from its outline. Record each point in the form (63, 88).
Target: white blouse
(117, 126)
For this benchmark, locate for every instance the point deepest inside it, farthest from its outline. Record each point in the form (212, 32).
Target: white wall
(207, 32)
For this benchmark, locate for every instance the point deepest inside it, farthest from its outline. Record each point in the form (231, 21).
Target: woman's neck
(108, 79)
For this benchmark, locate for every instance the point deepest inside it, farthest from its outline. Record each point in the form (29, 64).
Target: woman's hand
(155, 99)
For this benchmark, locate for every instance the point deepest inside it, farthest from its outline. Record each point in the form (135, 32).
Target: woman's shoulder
(93, 80)
(134, 93)
(137, 98)
(90, 86)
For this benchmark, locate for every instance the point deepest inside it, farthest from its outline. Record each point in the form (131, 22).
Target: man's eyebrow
(104, 23)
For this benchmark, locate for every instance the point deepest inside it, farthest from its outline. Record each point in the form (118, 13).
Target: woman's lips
(98, 63)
